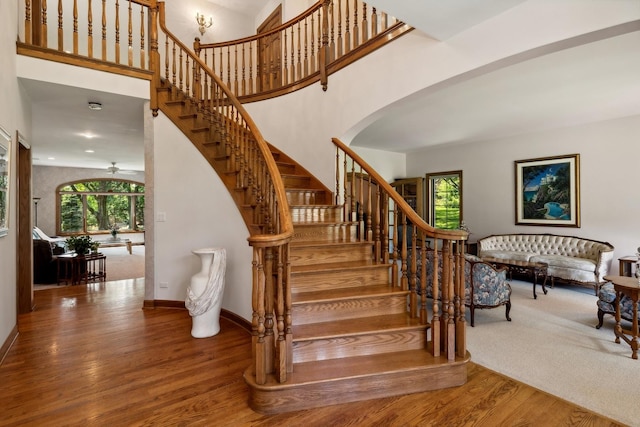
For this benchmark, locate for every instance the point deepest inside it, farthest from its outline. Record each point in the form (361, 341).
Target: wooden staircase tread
(337, 266)
(319, 205)
(358, 366)
(358, 326)
(319, 224)
(382, 289)
(326, 244)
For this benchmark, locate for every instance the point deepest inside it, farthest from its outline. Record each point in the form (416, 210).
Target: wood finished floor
(89, 355)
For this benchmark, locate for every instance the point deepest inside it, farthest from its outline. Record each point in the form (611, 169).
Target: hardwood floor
(90, 355)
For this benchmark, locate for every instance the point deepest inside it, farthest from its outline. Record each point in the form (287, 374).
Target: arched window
(97, 206)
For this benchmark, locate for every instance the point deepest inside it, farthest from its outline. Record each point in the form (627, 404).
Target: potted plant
(82, 245)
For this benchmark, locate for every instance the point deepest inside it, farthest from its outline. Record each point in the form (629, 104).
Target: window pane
(445, 199)
(105, 211)
(70, 213)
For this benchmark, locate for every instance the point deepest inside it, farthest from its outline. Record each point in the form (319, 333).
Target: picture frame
(548, 191)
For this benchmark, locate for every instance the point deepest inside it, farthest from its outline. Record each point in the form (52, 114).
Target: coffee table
(523, 267)
(630, 287)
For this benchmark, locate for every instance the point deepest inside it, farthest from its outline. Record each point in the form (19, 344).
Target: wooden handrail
(401, 238)
(305, 50)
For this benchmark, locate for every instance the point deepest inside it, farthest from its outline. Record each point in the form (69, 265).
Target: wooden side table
(630, 287)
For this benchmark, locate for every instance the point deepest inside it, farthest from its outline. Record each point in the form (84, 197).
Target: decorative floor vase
(204, 295)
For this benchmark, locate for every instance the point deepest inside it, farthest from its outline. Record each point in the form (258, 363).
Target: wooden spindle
(305, 72)
(356, 35)
(285, 59)
(347, 33)
(28, 37)
(251, 83)
(90, 30)
(44, 33)
(143, 61)
(130, 36)
(365, 25)
(374, 22)
(104, 30)
(75, 27)
(117, 23)
(60, 28)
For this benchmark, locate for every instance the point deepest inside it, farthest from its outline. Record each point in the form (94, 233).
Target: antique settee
(572, 259)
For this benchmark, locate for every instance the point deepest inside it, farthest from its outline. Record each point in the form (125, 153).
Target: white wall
(199, 213)
(609, 153)
(14, 116)
(227, 24)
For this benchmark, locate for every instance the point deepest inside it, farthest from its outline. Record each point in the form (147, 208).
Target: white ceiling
(594, 81)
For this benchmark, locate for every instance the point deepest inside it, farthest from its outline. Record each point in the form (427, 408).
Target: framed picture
(548, 191)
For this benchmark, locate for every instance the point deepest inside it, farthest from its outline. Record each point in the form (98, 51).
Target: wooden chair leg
(600, 318)
(507, 310)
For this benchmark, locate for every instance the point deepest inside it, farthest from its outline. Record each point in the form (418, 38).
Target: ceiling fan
(113, 169)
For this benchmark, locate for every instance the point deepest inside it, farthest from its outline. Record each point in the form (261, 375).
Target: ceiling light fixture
(202, 23)
(96, 106)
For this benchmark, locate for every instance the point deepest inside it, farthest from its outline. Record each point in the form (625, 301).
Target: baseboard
(226, 314)
(240, 321)
(161, 303)
(8, 343)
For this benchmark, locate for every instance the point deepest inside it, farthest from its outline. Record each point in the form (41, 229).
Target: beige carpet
(120, 265)
(552, 344)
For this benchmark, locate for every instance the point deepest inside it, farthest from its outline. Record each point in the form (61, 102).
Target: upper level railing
(305, 50)
(401, 238)
(112, 35)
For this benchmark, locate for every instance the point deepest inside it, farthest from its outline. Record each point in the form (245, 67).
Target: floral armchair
(485, 286)
(607, 304)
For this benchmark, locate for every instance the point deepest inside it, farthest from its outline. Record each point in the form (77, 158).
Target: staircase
(353, 337)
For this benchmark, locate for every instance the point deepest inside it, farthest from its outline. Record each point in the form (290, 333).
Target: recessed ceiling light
(88, 135)
(96, 106)
(51, 158)
(89, 151)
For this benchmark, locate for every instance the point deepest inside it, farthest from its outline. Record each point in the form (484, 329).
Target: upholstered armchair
(607, 304)
(485, 286)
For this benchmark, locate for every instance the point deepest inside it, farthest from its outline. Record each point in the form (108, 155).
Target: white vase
(204, 295)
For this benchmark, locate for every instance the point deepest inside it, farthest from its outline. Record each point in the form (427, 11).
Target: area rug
(552, 344)
(120, 265)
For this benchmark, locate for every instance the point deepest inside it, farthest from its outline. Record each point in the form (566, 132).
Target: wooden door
(270, 53)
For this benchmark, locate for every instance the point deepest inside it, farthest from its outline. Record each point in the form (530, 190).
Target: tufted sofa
(573, 259)
(485, 286)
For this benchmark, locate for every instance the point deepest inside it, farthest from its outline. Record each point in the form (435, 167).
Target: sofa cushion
(511, 255)
(566, 262)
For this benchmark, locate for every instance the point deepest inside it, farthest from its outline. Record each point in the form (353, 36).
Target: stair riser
(318, 255)
(314, 395)
(307, 197)
(358, 345)
(348, 309)
(325, 233)
(296, 181)
(318, 281)
(287, 168)
(301, 214)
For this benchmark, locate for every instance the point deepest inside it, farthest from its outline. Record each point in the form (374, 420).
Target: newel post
(324, 50)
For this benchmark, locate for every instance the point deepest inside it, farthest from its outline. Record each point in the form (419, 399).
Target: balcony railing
(305, 50)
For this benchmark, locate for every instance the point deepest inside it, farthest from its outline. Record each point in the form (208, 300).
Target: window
(97, 205)
(444, 199)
